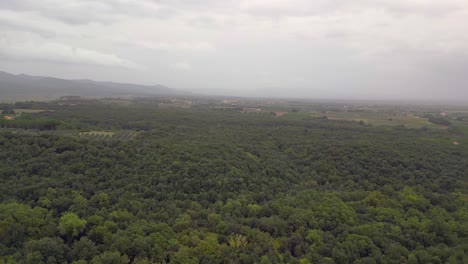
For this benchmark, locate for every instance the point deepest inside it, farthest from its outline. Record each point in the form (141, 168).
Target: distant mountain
(24, 87)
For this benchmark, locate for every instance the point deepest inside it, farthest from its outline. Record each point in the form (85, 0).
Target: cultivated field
(28, 111)
(96, 134)
(115, 135)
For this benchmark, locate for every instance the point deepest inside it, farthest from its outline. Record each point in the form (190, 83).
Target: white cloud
(374, 30)
(181, 66)
(230, 41)
(288, 8)
(176, 46)
(85, 11)
(30, 47)
(32, 22)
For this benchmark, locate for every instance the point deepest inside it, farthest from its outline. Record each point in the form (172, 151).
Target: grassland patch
(96, 134)
(29, 111)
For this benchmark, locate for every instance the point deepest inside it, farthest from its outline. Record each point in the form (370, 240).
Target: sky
(360, 49)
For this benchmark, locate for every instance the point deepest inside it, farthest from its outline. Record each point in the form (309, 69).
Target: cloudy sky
(366, 49)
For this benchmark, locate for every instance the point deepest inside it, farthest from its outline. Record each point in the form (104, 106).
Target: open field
(97, 133)
(114, 135)
(381, 119)
(28, 111)
(120, 135)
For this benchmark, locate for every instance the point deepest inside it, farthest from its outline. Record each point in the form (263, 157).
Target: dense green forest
(205, 185)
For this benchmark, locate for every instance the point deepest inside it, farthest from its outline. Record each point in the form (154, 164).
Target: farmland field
(28, 111)
(97, 133)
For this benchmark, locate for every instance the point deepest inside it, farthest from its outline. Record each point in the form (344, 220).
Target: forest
(216, 185)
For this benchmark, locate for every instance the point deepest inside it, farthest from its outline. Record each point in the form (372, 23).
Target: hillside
(25, 87)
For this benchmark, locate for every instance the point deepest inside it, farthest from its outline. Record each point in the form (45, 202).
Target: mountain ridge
(14, 87)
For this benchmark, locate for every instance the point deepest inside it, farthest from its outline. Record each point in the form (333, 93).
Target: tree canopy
(205, 185)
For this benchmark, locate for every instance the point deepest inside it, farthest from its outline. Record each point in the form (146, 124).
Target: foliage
(209, 186)
(8, 112)
(71, 225)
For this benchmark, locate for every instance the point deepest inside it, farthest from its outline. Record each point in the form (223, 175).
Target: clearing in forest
(97, 133)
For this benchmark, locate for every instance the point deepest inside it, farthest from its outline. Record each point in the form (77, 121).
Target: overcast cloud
(361, 49)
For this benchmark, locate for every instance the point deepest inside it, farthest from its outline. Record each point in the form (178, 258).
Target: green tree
(110, 258)
(83, 249)
(71, 225)
(354, 247)
(47, 248)
(8, 112)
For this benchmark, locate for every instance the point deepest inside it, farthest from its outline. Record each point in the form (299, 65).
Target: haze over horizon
(384, 49)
